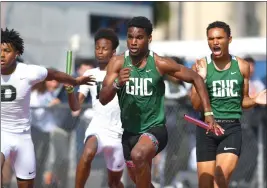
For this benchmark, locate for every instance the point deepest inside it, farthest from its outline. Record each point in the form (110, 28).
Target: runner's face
(137, 41)
(218, 42)
(103, 50)
(8, 56)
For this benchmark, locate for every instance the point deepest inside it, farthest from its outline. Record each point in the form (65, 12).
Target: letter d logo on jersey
(224, 88)
(8, 93)
(139, 86)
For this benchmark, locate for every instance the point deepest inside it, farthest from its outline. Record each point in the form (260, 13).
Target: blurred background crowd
(50, 29)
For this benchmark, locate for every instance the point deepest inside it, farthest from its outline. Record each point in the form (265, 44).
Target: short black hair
(249, 59)
(220, 24)
(12, 37)
(109, 34)
(141, 22)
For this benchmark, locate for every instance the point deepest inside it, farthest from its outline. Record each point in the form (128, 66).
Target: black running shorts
(158, 135)
(209, 145)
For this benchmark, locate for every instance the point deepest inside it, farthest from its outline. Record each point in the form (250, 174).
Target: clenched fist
(124, 76)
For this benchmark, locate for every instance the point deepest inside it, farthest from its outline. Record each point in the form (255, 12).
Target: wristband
(69, 89)
(116, 85)
(208, 114)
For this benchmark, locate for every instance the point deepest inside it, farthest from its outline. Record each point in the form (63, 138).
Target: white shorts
(109, 144)
(19, 147)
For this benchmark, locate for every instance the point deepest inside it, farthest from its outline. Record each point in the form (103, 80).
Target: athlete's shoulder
(160, 60)
(28, 69)
(91, 71)
(241, 60)
(22, 65)
(116, 62)
(243, 65)
(28, 65)
(34, 68)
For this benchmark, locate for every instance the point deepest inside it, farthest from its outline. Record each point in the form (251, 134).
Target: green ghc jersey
(141, 99)
(225, 89)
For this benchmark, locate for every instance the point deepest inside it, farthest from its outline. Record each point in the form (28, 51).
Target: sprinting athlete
(17, 80)
(137, 77)
(104, 132)
(227, 81)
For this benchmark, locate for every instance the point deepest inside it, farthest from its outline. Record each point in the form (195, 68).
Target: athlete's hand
(124, 76)
(201, 67)
(213, 126)
(261, 97)
(85, 80)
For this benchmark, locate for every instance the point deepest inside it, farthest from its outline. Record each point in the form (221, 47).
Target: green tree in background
(161, 12)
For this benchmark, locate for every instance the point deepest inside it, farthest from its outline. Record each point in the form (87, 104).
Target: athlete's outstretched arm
(75, 100)
(108, 90)
(195, 99)
(67, 79)
(170, 67)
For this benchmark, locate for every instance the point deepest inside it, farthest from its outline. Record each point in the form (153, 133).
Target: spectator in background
(258, 114)
(86, 115)
(43, 122)
(67, 121)
(255, 84)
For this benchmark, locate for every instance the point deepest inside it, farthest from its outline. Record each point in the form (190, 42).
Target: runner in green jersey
(137, 78)
(227, 81)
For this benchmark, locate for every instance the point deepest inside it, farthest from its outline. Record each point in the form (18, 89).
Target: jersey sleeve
(36, 73)
(84, 89)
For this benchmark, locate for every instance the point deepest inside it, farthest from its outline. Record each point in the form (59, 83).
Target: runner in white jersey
(104, 132)
(17, 80)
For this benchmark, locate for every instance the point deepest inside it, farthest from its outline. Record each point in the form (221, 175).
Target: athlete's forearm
(73, 102)
(61, 77)
(195, 99)
(202, 92)
(248, 102)
(106, 94)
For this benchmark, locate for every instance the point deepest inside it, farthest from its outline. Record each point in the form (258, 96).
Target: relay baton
(199, 123)
(69, 62)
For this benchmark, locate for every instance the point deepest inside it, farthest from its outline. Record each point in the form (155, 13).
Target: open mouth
(133, 50)
(217, 51)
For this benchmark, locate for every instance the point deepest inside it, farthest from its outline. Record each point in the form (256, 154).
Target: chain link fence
(58, 150)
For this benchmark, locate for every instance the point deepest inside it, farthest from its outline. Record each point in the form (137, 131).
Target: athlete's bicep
(170, 67)
(113, 69)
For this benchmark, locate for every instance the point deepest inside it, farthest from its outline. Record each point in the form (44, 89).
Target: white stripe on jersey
(15, 96)
(109, 114)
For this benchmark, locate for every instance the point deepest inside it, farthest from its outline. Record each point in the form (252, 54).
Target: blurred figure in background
(176, 91)
(66, 121)
(251, 120)
(255, 83)
(43, 123)
(85, 115)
